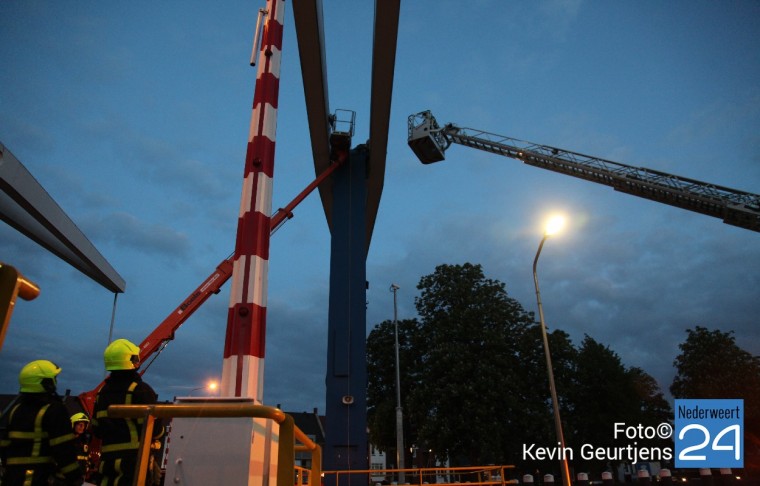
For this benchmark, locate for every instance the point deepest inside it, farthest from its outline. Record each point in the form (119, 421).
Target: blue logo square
(709, 433)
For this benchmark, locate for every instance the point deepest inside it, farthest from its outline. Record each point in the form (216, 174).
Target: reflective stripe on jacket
(39, 441)
(134, 426)
(122, 388)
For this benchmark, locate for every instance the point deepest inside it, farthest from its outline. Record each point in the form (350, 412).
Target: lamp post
(555, 224)
(399, 412)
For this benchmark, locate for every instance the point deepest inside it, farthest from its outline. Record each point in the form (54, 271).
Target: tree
(601, 394)
(474, 382)
(605, 392)
(711, 365)
(381, 375)
(653, 407)
(470, 360)
(538, 425)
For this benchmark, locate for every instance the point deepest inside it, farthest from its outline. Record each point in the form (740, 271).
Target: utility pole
(399, 412)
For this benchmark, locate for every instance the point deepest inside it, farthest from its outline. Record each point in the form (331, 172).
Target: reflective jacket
(39, 443)
(82, 444)
(123, 387)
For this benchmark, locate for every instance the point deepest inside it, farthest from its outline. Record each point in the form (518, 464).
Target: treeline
(475, 388)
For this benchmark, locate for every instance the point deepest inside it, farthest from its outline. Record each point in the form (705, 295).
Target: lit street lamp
(210, 387)
(399, 412)
(553, 226)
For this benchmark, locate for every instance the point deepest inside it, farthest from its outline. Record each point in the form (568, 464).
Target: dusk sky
(134, 116)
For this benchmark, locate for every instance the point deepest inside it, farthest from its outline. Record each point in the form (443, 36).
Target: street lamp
(399, 412)
(553, 226)
(210, 386)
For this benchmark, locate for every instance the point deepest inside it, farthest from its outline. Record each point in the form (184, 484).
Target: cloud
(126, 231)
(716, 116)
(146, 151)
(296, 351)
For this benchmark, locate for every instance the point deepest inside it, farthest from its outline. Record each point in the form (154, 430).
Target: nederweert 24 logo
(709, 433)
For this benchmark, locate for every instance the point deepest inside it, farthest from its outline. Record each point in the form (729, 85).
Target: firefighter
(121, 437)
(80, 422)
(38, 445)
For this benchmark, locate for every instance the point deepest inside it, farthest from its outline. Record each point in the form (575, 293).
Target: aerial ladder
(429, 141)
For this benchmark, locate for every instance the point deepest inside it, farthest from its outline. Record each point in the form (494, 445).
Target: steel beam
(356, 189)
(383, 65)
(26, 206)
(311, 49)
(346, 380)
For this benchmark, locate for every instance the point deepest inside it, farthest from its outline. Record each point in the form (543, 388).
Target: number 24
(684, 455)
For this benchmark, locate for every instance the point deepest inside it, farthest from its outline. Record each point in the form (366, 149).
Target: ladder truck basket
(426, 139)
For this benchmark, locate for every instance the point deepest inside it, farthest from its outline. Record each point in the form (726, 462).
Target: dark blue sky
(135, 118)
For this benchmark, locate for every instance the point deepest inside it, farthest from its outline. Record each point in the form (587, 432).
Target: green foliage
(604, 392)
(711, 365)
(474, 379)
(381, 375)
(470, 329)
(600, 394)
(653, 408)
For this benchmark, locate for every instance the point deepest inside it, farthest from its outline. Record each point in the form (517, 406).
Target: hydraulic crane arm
(429, 141)
(164, 332)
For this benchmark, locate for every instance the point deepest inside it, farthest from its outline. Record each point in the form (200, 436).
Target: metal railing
(455, 476)
(289, 434)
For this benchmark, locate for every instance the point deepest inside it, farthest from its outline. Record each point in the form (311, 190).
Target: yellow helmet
(79, 417)
(38, 376)
(121, 355)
